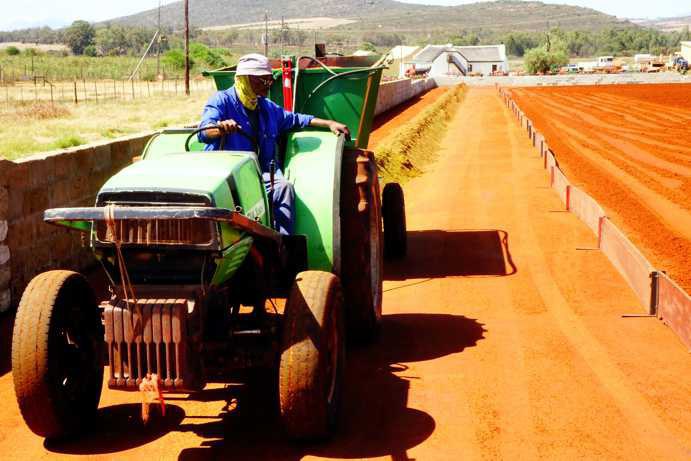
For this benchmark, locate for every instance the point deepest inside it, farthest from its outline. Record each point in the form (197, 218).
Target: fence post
(654, 292)
(132, 81)
(76, 101)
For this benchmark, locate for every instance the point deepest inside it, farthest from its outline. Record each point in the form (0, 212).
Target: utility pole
(266, 33)
(187, 47)
(158, 48)
(283, 31)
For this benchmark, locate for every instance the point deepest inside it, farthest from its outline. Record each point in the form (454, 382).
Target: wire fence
(81, 91)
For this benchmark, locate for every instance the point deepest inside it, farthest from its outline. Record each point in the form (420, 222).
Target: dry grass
(38, 111)
(38, 127)
(403, 154)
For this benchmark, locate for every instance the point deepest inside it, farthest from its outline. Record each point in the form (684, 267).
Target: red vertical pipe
(287, 82)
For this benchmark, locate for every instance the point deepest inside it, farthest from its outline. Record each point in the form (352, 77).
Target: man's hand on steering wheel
(229, 126)
(223, 128)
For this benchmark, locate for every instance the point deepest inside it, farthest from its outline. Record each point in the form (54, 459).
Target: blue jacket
(273, 122)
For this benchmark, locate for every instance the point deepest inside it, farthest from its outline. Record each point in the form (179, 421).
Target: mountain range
(383, 15)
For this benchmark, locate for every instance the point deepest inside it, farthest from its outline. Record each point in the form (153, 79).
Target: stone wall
(66, 178)
(396, 92)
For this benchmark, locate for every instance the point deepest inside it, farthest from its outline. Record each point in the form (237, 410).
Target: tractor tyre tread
(30, 356)
(304, 409)
(363, 313)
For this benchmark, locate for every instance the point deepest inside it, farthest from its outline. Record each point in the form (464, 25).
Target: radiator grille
(157, 232)
(150, 338)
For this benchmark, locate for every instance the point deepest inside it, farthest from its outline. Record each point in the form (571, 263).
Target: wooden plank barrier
(586, 209)
(674, 307)
(629, 261)
(655, 290)
(561, 185)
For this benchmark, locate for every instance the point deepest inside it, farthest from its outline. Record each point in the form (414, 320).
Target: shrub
(91, 51)
(202, 53)
(175, 58)
(12, 50)
(69, 141)
(542, 61)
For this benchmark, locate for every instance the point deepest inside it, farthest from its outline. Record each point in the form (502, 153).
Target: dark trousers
(283, 202)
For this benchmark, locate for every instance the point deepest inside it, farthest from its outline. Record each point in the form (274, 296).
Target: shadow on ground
(119, 428)
(376, 420)
(469, 253)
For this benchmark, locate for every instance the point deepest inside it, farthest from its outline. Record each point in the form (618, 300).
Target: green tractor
(202, 287)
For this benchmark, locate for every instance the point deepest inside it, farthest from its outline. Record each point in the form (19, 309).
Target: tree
(465, 39)
(79, 35)
(367, 46)
(542, 61)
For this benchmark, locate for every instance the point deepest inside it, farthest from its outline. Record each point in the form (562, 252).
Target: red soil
(628, 146)
(389, 121)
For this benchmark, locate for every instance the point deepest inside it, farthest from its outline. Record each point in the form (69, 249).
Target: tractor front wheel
(57, 359)
(312, 356)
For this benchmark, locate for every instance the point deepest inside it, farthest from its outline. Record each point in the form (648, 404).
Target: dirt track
(630, 148)
(502, 338)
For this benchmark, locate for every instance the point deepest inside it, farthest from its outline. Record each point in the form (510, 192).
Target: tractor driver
(245, 107)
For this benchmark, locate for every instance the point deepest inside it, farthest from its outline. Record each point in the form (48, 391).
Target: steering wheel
(223, 137)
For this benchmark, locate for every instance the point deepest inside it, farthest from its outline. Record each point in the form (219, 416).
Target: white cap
(253, 64)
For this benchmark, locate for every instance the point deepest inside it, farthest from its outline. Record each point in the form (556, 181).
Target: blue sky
(54, 13)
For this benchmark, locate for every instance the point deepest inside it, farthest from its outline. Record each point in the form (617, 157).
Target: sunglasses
(266, 81)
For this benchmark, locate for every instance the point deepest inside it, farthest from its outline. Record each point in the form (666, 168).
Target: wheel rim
(74, 358)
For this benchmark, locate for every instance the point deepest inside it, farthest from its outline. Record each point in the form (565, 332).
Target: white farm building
(448, 60)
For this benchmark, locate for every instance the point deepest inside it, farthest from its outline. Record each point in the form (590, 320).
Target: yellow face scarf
(245, 93)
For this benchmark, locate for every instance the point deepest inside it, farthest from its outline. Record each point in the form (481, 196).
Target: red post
(287, 82)
(600, 224)
(568, 197)
(551, 176)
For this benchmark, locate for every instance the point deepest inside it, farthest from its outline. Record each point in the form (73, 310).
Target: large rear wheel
(361, 245)
(57, 360)
(312, 356)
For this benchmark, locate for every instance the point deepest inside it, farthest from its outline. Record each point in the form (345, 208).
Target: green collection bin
(346, 94)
